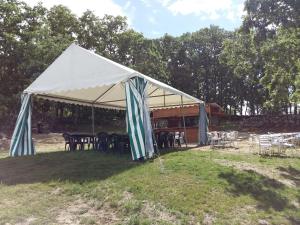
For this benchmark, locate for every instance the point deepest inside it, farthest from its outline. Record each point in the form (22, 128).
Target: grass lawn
(184, 187)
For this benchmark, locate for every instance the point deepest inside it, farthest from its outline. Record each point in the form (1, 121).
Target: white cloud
(99, 7)
(236, 12)
(206, 9)
(127, 5)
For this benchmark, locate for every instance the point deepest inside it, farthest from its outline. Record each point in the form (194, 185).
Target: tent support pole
(104, 93)
(93, 120)
(164, 98)
(199, 128)
(153, 92)
(184, 127)
(153, 134)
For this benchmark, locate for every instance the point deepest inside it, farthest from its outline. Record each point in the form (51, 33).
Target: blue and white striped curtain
(203, 125)
(21, 141)
(138, 119)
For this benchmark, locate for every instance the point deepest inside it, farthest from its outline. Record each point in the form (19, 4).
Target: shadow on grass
(265, 190)
(63, 166)
(279, 156)
(79, 166)
(290, 173)
(166, 151)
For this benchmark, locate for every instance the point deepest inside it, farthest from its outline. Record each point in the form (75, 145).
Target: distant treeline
(255, 67)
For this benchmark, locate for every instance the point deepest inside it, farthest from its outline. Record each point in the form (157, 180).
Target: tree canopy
(257, 66)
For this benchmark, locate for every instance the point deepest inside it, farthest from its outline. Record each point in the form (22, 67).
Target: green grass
(181, 187)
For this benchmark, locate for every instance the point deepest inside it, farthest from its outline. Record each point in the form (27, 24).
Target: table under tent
(79, 76)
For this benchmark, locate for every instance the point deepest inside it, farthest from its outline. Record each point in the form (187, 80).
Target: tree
(263, 54)
(241, 55)
(265, 16)
(89, 31)
(112, 27)
(19, 32)
(194, 66)
(282, 57)
(62, 22)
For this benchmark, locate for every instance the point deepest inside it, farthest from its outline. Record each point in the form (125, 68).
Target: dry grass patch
(263, 170)
(84, 212)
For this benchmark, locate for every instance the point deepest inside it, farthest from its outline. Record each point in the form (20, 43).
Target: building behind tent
(171, 119)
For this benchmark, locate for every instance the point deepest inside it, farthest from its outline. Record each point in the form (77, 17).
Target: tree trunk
(56, 111)
(252, 108)
(241, 109)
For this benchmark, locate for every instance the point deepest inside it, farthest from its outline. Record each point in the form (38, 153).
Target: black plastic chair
(77, 141)
(127, 142)
(159, 139)
(165, 139)
(72, 142)
(123, 143)
(114, 140)
(67, 141)
(84, 141)
(92, 141)
(102, 141)
(171, 139)
(162, 140)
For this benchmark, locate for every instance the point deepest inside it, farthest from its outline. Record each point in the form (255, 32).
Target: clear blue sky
(154, 18)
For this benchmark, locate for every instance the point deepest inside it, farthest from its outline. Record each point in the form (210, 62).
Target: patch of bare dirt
(265, 171)
(241, 215)
(295, 204)
(263, 222)
(208, 219)
(48, 142)
(4, 142)
(126, 196)
(27, 221)
(155, 212)
(80, 211)
(158, 213)
(43, 142)
(56, 191)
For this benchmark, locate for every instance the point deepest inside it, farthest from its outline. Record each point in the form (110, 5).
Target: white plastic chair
(265, 144)
(223, 138)
(182, 138)
(232, 138)
(215, 139)
(253, 142)
(209, 135)
(177, 138)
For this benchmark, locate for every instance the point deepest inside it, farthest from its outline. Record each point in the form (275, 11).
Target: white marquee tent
(83, 77)
(79, 76)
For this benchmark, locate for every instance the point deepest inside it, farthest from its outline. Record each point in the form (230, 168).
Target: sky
(154, 18)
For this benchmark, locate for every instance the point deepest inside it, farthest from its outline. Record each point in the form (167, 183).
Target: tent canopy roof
(79, 76)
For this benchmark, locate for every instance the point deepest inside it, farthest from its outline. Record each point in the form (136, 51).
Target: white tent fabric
(82, 77)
